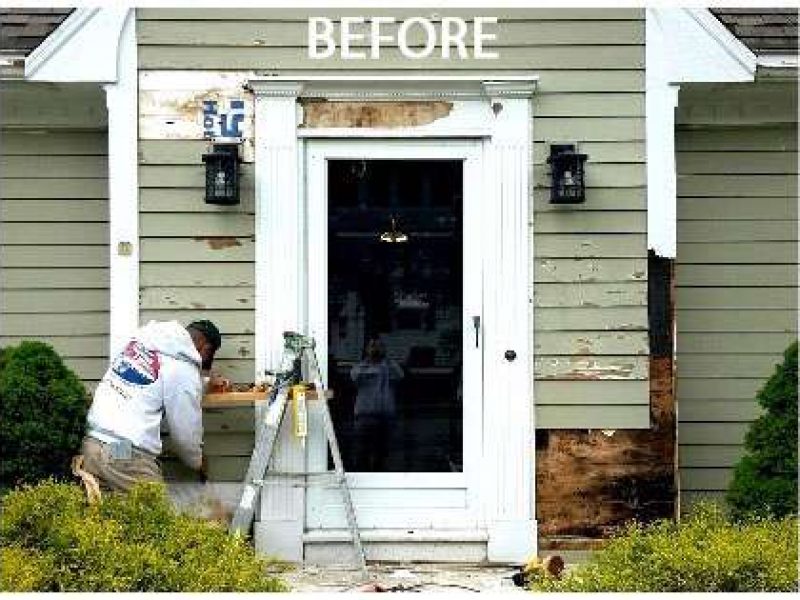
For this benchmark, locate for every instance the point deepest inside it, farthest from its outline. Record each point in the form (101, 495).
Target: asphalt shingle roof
(763, 30)
(23, 29)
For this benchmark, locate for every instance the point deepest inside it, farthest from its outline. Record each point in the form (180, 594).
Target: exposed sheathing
(736, 267)
(54, 212)
(590, 301)
(373, 114)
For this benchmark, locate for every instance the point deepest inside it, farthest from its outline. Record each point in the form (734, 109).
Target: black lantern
(567, 173)
(222, 174)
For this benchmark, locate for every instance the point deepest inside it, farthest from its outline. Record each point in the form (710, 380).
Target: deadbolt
(510, 355)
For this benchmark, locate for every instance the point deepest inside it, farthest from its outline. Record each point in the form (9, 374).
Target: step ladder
(298, 356)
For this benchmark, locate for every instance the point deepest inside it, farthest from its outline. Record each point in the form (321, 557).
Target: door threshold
(316, 536)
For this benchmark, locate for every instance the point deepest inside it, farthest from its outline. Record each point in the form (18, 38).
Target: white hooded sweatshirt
(156, 374)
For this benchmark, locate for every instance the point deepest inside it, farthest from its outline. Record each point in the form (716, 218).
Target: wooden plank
(227, 297)
(229, 420)
(565, 270)
(188, 176)
(737, 185)
(274, 34)
(589, 105)
(49, 166)
(580, 245)
(237, 347)
(199, 249)
(600, 175)
(47, 278)
(736, 139)
(733, 209)
(54, 325)
(64, 142)
(596, 319)
(765, 321)
(734, 276)
(729, 365)
(690, 498)
(600, 152)
(227, 468)
(54, 301)
(54, 211)
(733, 343)
(712, 434)
(738, 253)
(161, 200)
(589, 129)
(519, 57)
(88, 369)
(718, 411)
(745, 298)
(56, 233)
(227, 444)
(47, 105)
(708, 388)
(241, 370)
(585, 393)
(193, 225)
(75, 345)
(196, 274)
(589, 295)
(53, 256)
(590, 368)
(623, 199)
(709, 456)
(705, 479)
(590, 343)
(713, 231)
(53, 188)
(593, 417)
(760, 163)
(591, 222)
(230, 322)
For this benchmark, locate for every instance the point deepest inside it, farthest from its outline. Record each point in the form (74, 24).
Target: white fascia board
(83, 48)
(777, 61)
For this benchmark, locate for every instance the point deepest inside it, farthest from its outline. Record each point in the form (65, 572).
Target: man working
(156, 375)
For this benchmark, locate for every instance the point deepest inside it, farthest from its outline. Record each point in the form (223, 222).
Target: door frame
(495, 107)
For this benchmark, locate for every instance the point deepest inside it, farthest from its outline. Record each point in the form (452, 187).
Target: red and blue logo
(136, 364)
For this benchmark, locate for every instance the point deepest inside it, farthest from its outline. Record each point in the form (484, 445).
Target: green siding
(736, 285)
(54, 209)
(590, 260)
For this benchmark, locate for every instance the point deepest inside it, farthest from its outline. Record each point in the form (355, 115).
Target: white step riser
(342, 553)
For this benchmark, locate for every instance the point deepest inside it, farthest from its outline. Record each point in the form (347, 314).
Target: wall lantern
(222, 174)
(567, 172)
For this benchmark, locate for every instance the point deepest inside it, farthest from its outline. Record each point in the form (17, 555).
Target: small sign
(223, 122)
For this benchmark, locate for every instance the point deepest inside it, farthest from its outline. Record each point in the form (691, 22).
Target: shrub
(703, 553)
(765, 479)
(42, 414)
(54, 541)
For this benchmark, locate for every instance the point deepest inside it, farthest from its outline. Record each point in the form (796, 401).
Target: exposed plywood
(373, 114)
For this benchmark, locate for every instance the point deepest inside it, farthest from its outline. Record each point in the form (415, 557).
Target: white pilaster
(508, 386)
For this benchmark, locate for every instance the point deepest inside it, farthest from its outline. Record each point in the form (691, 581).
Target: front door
(394, 258)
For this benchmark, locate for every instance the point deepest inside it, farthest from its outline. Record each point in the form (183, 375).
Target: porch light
(567, 174)
(222, 174)
(394, 235)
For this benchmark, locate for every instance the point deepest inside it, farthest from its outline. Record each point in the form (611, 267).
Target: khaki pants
(118, 474)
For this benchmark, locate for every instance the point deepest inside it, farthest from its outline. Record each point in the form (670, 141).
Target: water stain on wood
(322, 113)
(219, 243)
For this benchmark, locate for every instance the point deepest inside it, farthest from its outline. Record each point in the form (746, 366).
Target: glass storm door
(394, 303)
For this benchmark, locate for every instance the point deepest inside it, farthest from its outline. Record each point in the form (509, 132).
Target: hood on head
(170, 338)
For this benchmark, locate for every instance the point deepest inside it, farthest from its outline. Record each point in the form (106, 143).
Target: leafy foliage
(703, 553)
(765, 479)
(54, 541)
(43, 409)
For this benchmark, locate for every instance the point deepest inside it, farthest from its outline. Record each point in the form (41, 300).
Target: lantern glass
(222, 174)
(567, 171)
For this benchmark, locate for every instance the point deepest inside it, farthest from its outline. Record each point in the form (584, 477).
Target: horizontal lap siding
(54, 213)
(736, 269)
(590, 261)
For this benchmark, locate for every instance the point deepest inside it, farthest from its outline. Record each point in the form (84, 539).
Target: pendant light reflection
(394, 236)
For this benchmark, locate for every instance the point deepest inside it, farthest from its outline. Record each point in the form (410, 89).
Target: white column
(123, 192)
(508, 384)
(280, 284)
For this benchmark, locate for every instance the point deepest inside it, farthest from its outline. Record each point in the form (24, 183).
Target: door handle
(476, 323)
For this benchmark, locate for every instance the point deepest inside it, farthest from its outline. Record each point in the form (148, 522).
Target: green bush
(703, 553)
(53, 540)
(42, 414)
(765, 479)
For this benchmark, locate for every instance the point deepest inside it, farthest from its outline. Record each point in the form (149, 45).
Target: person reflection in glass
(375, 406)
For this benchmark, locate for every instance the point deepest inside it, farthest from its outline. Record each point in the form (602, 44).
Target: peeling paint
(219, 243)
(318, 113)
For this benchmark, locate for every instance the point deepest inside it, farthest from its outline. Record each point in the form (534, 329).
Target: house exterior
(565, 366)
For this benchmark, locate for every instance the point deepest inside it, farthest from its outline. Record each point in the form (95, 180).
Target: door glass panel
(395, 278)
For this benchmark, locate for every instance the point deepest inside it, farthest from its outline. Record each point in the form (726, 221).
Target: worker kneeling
(157, 374)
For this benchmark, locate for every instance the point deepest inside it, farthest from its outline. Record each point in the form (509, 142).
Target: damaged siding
(590, 301)
(736, 267)
(54, 243)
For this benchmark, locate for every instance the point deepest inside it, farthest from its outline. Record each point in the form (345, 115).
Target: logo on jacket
(136, 364)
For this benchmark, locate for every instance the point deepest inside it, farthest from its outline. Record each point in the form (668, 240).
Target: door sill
(317, 536)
